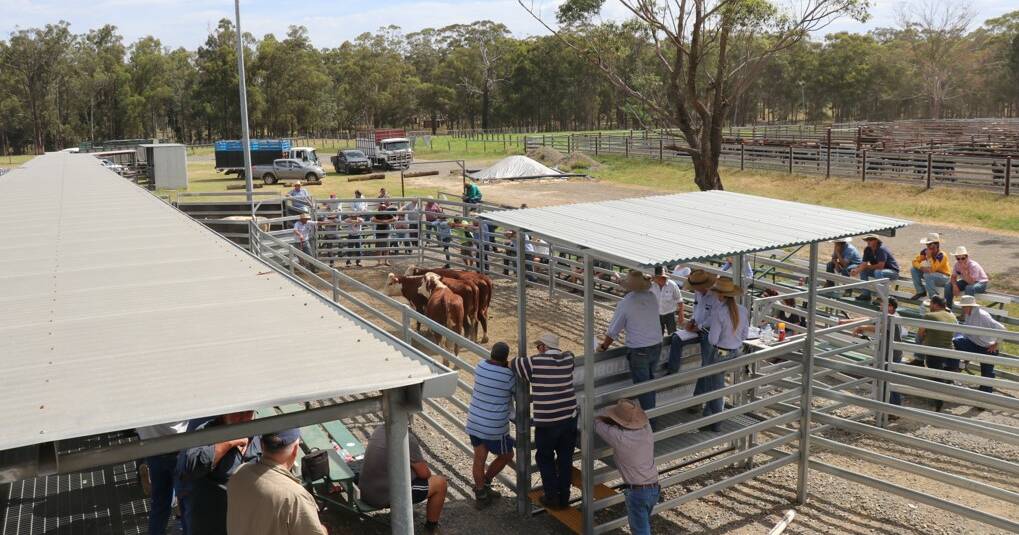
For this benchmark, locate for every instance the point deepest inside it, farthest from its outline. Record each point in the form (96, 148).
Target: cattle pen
(570, 256)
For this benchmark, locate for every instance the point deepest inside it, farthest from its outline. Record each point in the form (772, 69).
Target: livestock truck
(386, 148)
(230, 156)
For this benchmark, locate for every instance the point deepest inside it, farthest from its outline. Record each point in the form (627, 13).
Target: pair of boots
(484, 496)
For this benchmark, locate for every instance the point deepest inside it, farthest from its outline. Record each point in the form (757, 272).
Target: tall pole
(242, 84)
(807, 378)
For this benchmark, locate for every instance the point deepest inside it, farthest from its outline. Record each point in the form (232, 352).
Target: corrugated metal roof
(690, 226)
(117, 311)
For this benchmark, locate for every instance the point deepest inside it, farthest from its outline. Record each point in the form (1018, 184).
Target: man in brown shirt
(265, 498)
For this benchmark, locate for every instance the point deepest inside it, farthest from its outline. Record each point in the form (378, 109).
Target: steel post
(523, 399)
(245, 134)
(806, 378)
(1008, 175)
(397, 428)
(587, 410)
(881, 353)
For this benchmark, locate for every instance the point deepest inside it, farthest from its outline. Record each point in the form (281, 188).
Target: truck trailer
(230, 156)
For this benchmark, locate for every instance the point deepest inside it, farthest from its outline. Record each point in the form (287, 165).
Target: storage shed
(167, 165)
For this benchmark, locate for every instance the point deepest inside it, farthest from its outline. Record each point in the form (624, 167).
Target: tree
(32, 57)
(936, 34)
(709, 52)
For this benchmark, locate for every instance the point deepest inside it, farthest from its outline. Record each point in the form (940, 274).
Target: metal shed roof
(690, 226)
(118, 311)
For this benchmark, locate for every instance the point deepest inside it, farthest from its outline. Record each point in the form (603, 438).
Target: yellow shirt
(266, 499)
(939, 262)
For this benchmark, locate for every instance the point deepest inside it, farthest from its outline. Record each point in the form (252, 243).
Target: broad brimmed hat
(627, 414)
(869, 237)
(304, 216)
(960, 251)
(298, 183)
(699, 279)
(637, 281)
(968, 301)
(726, 288)
(550, 340)
(933, 237)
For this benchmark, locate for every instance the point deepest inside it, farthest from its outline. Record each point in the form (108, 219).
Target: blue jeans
(717, 381)
(968, 289)
(830, 268)
(706, 359)
(161, 476)
(642, 369)
(928, 283)
(676, 346)
(890, 274)
(962, 343)
(554, 456)
(639, 503)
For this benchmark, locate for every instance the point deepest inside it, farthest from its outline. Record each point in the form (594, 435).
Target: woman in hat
(624, 427)
(930, 269)
(967, 276)
(844, 257)
(727, 329)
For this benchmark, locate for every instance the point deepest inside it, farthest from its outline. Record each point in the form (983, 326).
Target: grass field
(10, 161)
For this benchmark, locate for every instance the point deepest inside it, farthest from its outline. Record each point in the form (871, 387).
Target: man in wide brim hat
(627, 414)
(624, 427)
(974, 315)
(637, 281)
(699, 280)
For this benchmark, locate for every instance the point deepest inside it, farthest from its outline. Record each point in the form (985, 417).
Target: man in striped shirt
(550, 374)
(488, 421)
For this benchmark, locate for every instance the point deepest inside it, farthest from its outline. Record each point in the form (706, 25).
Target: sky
(187, 22)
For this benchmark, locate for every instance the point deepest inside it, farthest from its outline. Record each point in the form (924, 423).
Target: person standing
(975, 316)
(488, 418)
(699, 282)
(554, 414)
(304, 230)
(353, 225)
(162, 480)
(937, 338)
(208, 470)
(878, 263)
(625, 428)
(727, 329)
(300, 197)
(670, 300)
(637, 315)
(930, 269)
(844, 257)
(383, 222)
(266, 498)
(360, 205)
(967, 277)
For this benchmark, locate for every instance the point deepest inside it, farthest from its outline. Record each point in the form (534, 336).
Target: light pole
(803, 100)
(242, 84)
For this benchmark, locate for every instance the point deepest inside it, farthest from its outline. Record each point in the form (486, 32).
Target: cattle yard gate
(769, 405)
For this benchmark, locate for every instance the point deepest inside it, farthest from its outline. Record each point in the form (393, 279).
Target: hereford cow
(482, 281)
(412, 288)
(445, 308)
(259, 220)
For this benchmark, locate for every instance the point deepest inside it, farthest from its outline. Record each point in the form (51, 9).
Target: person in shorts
(488, 421)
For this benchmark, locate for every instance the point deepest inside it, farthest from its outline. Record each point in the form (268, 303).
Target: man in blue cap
(266, 498)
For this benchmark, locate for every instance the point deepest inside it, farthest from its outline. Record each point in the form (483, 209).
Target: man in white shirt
(975, 316)
(161, 475)
(637, 314)
(670, 300)
(303, 230)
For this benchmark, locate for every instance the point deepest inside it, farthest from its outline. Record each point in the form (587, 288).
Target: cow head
(393, 287)
(411, 270)
(432, 282)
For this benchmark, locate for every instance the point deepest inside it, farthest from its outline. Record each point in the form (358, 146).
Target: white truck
(386, 148)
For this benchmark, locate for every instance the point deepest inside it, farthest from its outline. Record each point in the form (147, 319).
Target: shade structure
(666, 229)
(119, 311)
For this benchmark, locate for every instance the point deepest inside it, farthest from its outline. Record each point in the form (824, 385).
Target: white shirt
(161, 430)
(304, 230)
(637, 314)
(668, 296)
(702, 305)
(360, 206)
(981, 318)
(681, 271)
(720, 331)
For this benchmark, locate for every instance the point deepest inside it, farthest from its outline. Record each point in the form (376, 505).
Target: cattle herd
(457, 299)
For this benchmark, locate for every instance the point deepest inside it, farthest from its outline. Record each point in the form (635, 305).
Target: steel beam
(587, 411)
(397, 429)
(807, 383)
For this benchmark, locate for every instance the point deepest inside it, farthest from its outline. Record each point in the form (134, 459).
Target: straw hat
(550, 340)
(699, 280)
(637, 281)
(968, 301)
(960, 251)
(298, 183)
(847, 239)
(726, 288)
(304, 217)
(869, 237)
(933, 237)
(627, 414)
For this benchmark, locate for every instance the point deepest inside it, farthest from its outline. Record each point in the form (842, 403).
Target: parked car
(351, 161)
(115, 167)
(289, 169)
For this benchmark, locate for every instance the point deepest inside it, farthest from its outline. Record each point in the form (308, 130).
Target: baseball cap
(279, 440)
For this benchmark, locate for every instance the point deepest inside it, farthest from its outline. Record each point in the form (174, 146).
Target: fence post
(863, 167)
(626, 147)
(1008, 174)
(930, 168)
(661, 151)
(290, 258)
(569, 144)
(790, 159)
(335, 275)
(827, 170)
(742, 154)
(597, 143)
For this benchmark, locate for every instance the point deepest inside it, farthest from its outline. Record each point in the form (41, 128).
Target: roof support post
(397, 427)
(882, 350)
(807, 378)
(523, 399)
(587, 410)
(740, 375)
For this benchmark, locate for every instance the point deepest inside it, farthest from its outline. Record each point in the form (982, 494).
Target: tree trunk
(484, 107)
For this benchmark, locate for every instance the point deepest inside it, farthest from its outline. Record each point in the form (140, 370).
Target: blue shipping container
(275, 145)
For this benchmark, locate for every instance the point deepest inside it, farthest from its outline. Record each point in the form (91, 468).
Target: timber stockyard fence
(921, 168)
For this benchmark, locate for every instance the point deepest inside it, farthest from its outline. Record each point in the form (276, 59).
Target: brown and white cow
(412, 288)
(444, 307)
(482, 281)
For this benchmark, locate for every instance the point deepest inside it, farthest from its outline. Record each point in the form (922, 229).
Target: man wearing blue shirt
(488, 421)
(878, 263)
(637, 314)
(844, 258)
